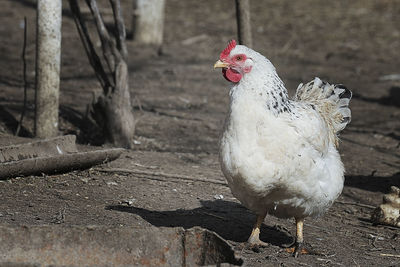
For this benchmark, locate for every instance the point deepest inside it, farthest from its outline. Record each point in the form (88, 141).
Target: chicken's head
(234, 62)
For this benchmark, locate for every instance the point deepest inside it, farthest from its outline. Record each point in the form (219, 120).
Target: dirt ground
(181, 102)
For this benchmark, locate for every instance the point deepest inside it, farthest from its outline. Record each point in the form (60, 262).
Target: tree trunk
(148, 21)
(112, 110)
(243, 22)
(48, 53)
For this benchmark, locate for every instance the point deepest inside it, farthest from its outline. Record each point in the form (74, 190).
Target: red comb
(225, 53)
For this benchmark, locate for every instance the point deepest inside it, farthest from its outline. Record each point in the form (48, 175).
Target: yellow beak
(220, 64)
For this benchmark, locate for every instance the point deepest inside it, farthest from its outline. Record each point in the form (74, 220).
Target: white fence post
(48, 51)
(148, 21)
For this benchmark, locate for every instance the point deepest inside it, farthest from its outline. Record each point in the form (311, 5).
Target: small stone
(128, 202)
(218, 197)
(91, 227)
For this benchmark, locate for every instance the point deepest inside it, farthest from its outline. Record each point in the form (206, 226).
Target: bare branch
(120, 26)
(89, 48)
(243, 22)
(112, 110)
(111, 54)
(25, 81)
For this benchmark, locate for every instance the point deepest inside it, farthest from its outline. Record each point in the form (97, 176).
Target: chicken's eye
(239, 58)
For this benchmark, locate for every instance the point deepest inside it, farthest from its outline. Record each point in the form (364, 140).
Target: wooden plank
(59, 163)
(39, 148)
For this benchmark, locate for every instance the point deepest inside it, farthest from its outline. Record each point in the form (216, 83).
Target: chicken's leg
(254, 239)
(298, 245)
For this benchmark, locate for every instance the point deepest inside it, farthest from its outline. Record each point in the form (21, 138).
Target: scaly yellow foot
(254, 239)
(298, 247)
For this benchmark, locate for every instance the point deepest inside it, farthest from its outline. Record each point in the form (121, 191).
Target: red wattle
(232, 75)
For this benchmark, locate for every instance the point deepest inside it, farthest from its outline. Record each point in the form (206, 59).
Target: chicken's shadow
(373, 183)
(228, 219)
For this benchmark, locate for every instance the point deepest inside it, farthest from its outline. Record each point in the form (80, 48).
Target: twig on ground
(316, 227)
(302, 264)
(389, 227)
(389, 255)
(162, 174)
(25, 81)
(329, 261)
(213, 215)
(390, 77)
(145, 166)
(375, 249)
(356, 204)
(356, 264)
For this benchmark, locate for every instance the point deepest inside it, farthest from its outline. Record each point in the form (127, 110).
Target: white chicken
(279, 155)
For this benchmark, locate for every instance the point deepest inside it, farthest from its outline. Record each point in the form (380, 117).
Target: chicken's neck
(264, 87)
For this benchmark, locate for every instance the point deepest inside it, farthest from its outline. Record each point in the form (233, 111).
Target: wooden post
(243, 22)
(148, 21)
(48, 51)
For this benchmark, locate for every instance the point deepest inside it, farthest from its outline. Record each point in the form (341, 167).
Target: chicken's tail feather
(332, 101)
(344, 95)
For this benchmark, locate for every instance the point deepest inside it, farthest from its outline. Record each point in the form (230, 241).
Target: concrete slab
(102, 246)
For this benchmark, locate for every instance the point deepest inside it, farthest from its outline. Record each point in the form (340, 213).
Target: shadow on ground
(393, 99)
(373, 183)
(228, 219)
(88, 133)
(12, 122)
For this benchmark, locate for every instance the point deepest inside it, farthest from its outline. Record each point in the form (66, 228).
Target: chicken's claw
(300, 249)
(297, 250)
(256, 243)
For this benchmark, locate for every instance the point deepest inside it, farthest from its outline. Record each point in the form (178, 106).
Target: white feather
(283, 163)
